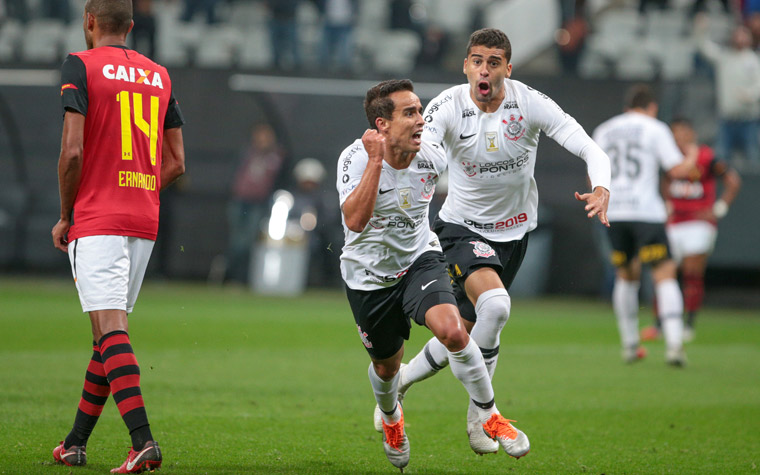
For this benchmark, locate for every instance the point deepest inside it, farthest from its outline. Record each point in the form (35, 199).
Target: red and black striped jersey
(127, 102)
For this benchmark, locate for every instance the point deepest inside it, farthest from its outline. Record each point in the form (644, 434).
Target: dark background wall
(194, 227)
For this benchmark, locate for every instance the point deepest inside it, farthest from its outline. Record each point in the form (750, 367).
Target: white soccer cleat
(480, 443)
(396, 443)
(512, 440)
(675, 357)
(378, 415)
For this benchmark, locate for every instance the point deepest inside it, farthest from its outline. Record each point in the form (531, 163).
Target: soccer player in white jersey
(639, 145)
(489, 128)
(393, 266)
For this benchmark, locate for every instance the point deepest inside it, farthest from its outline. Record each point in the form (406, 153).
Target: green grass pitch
(239, 383)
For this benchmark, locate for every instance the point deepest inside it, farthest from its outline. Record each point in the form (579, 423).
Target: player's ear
(382, 124)
(131, 25)
(464, 66)
(509, 70)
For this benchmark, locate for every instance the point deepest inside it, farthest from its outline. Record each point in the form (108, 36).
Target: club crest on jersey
(515, 127)
(491, 145)
(429, 188)
(469, 169)
(404, 195)
(482, 249)
(363, 336)
(134, 75)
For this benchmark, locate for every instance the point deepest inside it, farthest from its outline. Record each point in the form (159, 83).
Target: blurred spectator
(435, 43)
(571, 38)
(57, 9)
(206, 6)
(700, 6)
(143, 37)
(753, 23)
(737, 85)
(259, 174)
(401, 18)
(337, 43)
(317, 216)
(283, 29)
(17, 10)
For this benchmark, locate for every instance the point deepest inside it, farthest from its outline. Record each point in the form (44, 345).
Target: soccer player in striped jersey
(490, 128)
(121, 144)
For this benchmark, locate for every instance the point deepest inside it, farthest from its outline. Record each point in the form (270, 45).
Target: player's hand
(596, 203)
(374, 144)
(59, 232)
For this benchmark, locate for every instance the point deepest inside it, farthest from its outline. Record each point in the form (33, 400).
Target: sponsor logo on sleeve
(68, 86)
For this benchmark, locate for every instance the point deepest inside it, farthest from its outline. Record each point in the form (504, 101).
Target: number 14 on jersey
(149, 128)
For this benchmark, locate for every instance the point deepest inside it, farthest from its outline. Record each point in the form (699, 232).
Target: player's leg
(693, 275)
(469, 368)
(382, 329)
(625, 293)
(71, 451)
(670, 307)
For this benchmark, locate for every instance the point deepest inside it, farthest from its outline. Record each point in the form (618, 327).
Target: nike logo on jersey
(428, 284)
(382, 192)
(463, 137)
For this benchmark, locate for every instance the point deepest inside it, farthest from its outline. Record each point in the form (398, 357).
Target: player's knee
(454, 338)
(386, 370)
(494, 305)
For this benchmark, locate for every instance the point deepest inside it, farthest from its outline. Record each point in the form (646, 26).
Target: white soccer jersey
(638, 146)
(398, 232)
(492, 156)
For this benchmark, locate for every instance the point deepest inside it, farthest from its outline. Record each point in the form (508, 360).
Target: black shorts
(383, 316)
(467, 251)
(629, 239)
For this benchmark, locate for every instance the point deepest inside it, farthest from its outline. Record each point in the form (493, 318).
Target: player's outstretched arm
(358, 207)
(69, 174)
(172, 156)
(596, 203)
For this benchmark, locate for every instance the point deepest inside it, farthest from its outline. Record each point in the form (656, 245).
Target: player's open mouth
(484, 87)
(417, 138)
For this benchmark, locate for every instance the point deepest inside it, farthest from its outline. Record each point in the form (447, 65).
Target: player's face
(404, 130)
(684, 136)
(486, 69)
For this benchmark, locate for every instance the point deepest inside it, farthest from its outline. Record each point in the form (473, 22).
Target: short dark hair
(378, 104)
(639, 96)
(114, 16)
(491, 38)
(681, 121)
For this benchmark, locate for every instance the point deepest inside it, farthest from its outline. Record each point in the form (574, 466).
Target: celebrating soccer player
(639, 145)
(489, 129)
(394, 269)
(122, 143)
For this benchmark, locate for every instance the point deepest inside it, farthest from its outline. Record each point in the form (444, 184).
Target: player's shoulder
(353, 151)
(447, 99)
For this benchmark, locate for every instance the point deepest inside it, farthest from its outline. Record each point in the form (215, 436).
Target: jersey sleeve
(548, 116)
(437, 118)
(668, 153)
(434, 152)
(351, 165)
(174, 117)
(74, 85)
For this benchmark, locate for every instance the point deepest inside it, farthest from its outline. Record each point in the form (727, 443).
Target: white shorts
(109, 270)
(690, 238)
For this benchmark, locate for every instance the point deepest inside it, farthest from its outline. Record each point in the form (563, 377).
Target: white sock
(492, 308)
(385, 395)
(670, 310)
(432, 358)
(469, 368)
(625, 301)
